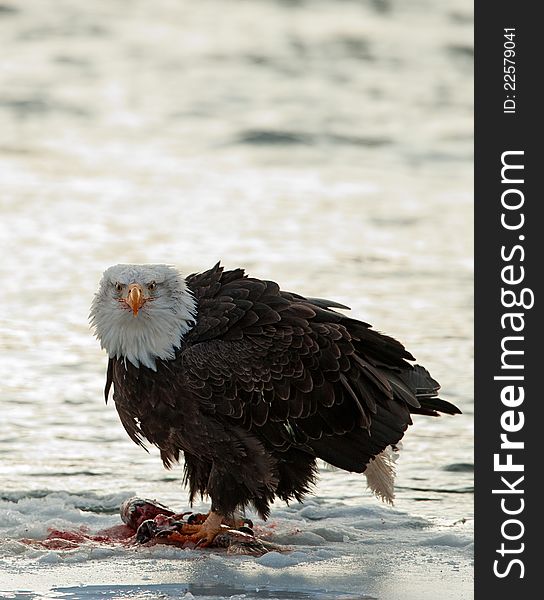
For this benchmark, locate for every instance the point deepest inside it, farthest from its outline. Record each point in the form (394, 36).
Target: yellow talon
(205, 534)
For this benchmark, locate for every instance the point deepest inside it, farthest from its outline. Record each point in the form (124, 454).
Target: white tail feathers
(380, 475)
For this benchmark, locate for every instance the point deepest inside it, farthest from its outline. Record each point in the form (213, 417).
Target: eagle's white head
(141, 312)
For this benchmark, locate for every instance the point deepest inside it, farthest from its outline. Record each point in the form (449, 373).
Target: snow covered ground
(338, 551)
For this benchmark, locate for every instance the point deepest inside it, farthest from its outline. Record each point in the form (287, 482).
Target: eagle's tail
(380, 474)
(426, 389)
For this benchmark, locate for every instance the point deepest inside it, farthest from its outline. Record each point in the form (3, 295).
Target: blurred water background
(325, 144)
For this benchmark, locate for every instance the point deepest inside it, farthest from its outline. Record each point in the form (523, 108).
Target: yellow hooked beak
(135, 297)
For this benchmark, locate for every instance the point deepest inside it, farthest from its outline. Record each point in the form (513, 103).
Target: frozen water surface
(326, 145)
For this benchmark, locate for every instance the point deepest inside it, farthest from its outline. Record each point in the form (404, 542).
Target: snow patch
(446, 539)
(277, 560)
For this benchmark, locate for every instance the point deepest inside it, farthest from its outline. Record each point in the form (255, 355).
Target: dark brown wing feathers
(298, 361)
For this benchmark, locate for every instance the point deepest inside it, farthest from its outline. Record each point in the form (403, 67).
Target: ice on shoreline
(337, 551)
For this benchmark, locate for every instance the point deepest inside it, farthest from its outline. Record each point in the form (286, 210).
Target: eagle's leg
(234, 522)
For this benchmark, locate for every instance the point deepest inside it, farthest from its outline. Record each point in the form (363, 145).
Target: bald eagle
(253, 384)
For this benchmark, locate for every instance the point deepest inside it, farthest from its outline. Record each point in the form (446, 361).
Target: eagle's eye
(118, 287)
(151, 286)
